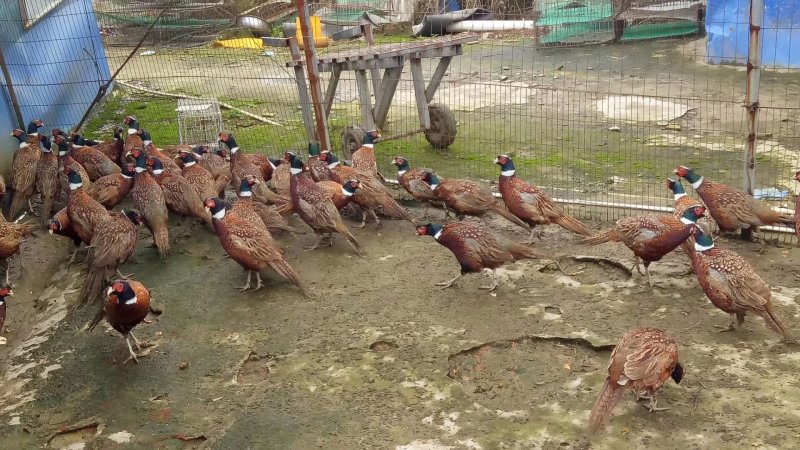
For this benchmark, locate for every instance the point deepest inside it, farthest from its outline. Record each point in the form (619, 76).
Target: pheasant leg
(652, 405)
(447, 284)
(130, 349)
(649, 279)
(259, 284)
(246, 286)
(731, 325)
(124, 276)
(636, 266)
(363, 220)
(446, 211)
(136, 341)
(492, 286)
(377, 220)
(319, 243)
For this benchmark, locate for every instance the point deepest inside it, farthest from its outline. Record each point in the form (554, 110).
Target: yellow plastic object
(240, 43)
(320, 40)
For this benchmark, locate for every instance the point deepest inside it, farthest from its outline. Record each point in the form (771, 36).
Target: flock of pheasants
(91, 178)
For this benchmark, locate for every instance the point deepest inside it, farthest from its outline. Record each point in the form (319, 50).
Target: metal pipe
(751, 95)
(313, 75)
(12, 94)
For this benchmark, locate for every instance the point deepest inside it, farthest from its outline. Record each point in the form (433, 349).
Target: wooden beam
(419, 93)
(302, 92)
(375, 73)
(364, 100)
(313, 76)
(437, 76)
(330, 93)
(391, 77)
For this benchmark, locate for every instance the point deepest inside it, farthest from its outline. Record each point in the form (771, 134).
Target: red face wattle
(223, 136)
(681, 171)
(699, 211)
(210, 203)
(422, 231)
(670, 183)
(118, 287)
(323, 156)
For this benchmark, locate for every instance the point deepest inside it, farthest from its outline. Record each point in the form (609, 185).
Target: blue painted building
(56, 62)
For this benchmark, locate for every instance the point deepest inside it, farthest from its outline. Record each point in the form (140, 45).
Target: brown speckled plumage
(85, 213)
(179, 196)
(124, 314)
(110, 190)
(198, 177)
(643, 360)
(148, 199)
(96, 163)
(11, 237)
(48, 183)
(23, 174)
(733, 286)
(335, 192)
(115, 148)
(411, 179)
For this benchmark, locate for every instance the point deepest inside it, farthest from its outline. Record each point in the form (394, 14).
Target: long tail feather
(609, 396)
(161, 238)
(509, 216)
(93, 287)
(286, 271)
(97, 319)
(776, 324)
(341, 227)
(19, 202)
(47, 208)
(609, 235)
(390, 208)
(266, 195)
(572, 224)
(523, 251)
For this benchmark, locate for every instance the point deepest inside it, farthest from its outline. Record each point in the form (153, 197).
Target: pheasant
(11, 236)
(651, 237)
(319, 170)
(113, 243)
(270, 215)
(241, 167)
(412, 181)
(114, 149)
(683, 201)
(5, 291)
(23, 167)
(96, 163)
(110, 190)
(468, 198)
(732, 285)
(732, 208)
(85, 213)
(64, 161)
(127, 304)
(476, 248)
(532, 205)
(643, 360)
(340, 194)
(62, 226)
(249, 244)
(148, 199)
(47, 182)
(141, 139)
(216, 165)
(198, 177)
(282, 177)
(371, 195)
(179, 195)
(313, 204)
(364, 157)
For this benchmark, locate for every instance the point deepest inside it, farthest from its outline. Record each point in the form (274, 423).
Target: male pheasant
(242, 167)
(412, 180)
(684, 201)
(216, 165)
(643, 360)
(85, 213)
(127, 304)
(148, 199)
(364, 157)
(47, 182)
(198, 176)
(23, 167)
(11, 236)
(179, 196)
(110, 190)
(96, 163)
(256, 212)
(532, 205)
(319, 170)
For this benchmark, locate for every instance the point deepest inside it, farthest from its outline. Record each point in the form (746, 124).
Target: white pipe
(489, 25)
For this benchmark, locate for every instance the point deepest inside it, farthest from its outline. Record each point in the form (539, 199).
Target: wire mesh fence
(597, 100)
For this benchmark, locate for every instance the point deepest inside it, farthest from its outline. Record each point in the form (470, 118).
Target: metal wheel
(352, 138)
(442, 132)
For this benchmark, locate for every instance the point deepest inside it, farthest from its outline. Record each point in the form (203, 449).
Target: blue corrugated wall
(728, 27)
(52, 66)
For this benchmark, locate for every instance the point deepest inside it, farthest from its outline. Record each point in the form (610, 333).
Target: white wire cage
(199, 121)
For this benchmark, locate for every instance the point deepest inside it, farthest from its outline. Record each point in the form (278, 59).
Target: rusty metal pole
(751, 93)
(12, 94)
(313, 75)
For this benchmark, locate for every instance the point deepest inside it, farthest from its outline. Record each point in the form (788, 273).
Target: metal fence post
(753, 80)
(12, 94)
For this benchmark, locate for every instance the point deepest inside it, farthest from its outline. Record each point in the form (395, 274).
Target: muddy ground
(380, 358)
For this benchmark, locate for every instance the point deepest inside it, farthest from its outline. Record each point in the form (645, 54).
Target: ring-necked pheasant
(282, 177)
(148, 199)
(113, 243)
(198, 176)
(249, 244)
(47, 182)
(11, 236)
(110, 190)
(341, 194)
(651, 237)
(532, 205)
(127, 304)
(242, 167)
(62, 226)
(5, 292)
(85, 213)
(319, 170)
(64, 161)
(732, 208)
(179, 196)
(468, 198)
(643, 360)
(411, 179)
(217, 166)
(141, 139)
(23, 167)
(371, 196)
(269, 215)
(114, 149)
(684, 201)
(476, 248)
(364, 157)
(314, 205)
(732, 285)
(96, 163)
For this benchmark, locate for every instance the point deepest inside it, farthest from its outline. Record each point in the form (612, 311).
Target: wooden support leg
(436, 79)
(302, 93)
(330, 93)
(391, 77)
(364, 100)
(419, 93)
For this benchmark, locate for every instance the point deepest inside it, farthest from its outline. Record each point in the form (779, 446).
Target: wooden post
(302, 92)
(12, 94)
(375, 73)
(753, 82)
(313, 75)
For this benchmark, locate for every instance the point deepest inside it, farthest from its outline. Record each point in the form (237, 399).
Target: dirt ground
(380, 358)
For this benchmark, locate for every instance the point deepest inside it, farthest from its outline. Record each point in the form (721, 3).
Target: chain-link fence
(597, 100)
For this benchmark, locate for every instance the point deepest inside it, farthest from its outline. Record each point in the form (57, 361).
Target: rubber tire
(443, 130)
(352, 138)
